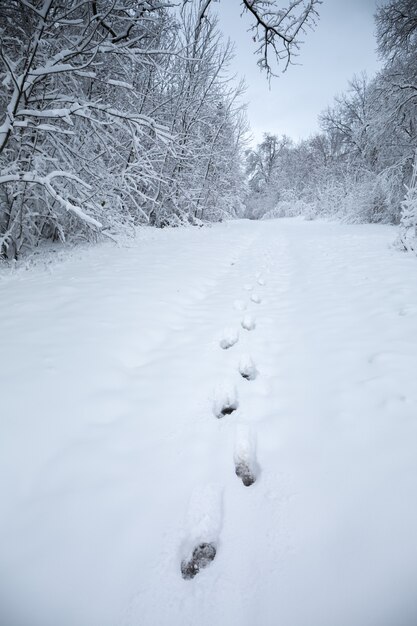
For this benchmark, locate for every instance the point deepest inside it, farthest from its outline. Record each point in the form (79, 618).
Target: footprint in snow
(202, 556)
(256, 298)
(261, 281)
(246, 467)
(204, 518)
(247, 367)
(248, 287)
(243, 471)
(248, 322)
(225, 400)
(230, 336)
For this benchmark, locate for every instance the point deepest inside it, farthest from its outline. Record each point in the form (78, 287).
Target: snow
(240, 305)
(203, 519)
(247, 367)
(225, 399)
(113, 466)
(229, 337)
(245, 454)
(248, 322)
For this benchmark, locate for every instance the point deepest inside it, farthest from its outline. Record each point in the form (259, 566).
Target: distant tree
(262, 161)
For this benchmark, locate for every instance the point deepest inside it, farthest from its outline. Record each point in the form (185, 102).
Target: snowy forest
(119, 114)
(116, 115)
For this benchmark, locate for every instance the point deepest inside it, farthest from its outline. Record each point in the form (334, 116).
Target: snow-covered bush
(290, 206)
(370, 198)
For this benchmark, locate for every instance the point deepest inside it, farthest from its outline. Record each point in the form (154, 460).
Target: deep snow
(115, 464)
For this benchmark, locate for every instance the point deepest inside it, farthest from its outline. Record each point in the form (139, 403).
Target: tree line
(359, 167)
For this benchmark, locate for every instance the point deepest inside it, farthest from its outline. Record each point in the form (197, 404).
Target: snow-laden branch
(46, 182)
(83, 109)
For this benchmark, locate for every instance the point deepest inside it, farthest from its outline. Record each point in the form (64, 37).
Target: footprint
(248, 322)
(248, 287)
(229, 338)
(225, 401)
(247, 367)
(202, 556)
(256, 298)
(202, 530)
(261, 281)
(245, 456)
(243, 472)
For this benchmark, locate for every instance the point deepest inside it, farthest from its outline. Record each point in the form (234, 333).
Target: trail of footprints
(204, 548)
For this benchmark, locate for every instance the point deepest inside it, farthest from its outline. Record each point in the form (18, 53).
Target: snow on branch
(46, 182)
(83, 109)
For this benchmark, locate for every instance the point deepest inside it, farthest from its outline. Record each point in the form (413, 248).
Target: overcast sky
(342, 44)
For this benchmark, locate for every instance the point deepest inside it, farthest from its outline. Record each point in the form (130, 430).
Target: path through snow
(114, 468)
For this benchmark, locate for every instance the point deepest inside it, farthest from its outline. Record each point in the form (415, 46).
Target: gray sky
(342, 44)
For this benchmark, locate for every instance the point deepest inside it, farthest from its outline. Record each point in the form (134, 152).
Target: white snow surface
(112, 463)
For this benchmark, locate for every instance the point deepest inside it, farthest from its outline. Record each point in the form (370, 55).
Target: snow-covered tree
(116, 114)
(407, 237)
(71, 121)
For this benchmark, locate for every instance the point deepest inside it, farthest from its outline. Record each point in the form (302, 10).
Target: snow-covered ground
(136, 383)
